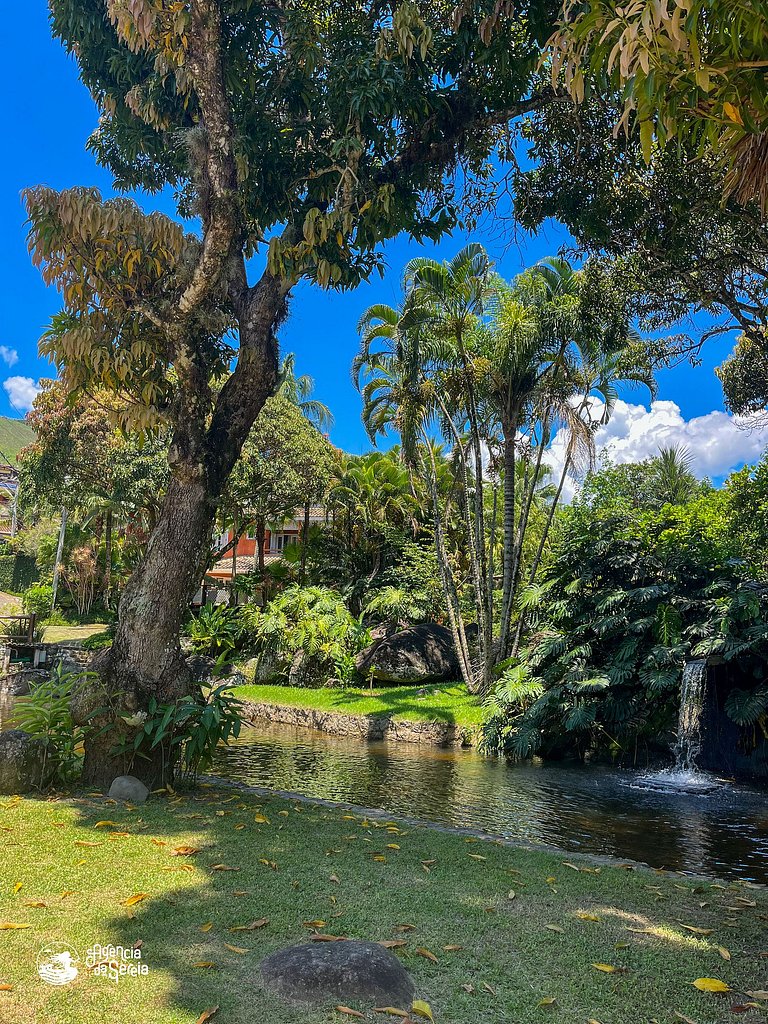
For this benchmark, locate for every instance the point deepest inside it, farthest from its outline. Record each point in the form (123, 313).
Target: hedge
(17, 573)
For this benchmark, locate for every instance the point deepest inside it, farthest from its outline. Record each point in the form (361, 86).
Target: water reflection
(594, 810)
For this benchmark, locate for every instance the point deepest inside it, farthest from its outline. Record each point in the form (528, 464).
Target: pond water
(576, 808)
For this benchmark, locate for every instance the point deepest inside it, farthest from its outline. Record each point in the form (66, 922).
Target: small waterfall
(692, 698)
(686, 777)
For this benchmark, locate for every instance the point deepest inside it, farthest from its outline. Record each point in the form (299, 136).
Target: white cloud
(717, 442)
(9, 355)
(21, 392)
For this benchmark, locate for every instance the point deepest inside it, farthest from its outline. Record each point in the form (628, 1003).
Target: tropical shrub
(38, 600)
(45, 714)
(311, 624)
(216, 630)
(626, 599)
(186, 731)
(397, 605)
(99, 641)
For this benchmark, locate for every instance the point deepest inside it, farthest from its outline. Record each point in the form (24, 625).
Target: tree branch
(463, 119)
(221, 220)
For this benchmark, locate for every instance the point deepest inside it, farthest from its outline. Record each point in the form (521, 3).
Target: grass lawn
(59, 634)
(529, 925)
(440, 702)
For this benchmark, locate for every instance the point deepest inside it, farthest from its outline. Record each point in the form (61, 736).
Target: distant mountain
(14, 435)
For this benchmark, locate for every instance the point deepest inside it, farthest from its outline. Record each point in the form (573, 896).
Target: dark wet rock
(128, 788)
(319, 973)
(413, 655)
(22, 762)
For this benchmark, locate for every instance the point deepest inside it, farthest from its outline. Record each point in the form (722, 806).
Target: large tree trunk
(145, 659)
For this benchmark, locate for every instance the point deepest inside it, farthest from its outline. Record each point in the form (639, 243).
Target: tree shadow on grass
(364, 879)
(398, 701)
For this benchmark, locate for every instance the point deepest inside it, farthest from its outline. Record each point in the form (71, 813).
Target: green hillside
(14, 435)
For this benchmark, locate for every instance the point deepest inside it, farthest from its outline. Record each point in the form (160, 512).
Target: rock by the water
(126, 787)
(318, 973)
(413, 655)
(22, 762)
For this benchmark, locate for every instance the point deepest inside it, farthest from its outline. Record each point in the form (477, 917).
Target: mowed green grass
(61, 634)
(439, 702)
(530, 924)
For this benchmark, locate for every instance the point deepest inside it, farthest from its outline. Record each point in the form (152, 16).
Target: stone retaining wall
(363, 727)
(18, 678)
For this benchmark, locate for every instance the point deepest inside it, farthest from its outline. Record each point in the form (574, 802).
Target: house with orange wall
(276, 539)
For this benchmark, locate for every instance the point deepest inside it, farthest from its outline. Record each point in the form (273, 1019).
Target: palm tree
(675, 483)
(298, 391)
(499, 368)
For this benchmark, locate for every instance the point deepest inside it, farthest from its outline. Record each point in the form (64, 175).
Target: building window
(280, 541)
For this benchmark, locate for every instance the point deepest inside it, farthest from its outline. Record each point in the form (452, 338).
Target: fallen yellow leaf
(206, 927)
(547, 1001)
(104, 824)
(349, 1012)
(724, 953)
(204, 963)
(207, 1014)
(6, 926)
(427, 954)
(697, 931)
(605, 968)
(711, 985)
(583, 916)
(6, 988)
(422, 1009)
(236, 949)
(136, 898)
(250, 927)
(392, 1010)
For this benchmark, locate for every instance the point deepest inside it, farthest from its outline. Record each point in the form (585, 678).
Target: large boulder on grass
(332, 973)
(128, 788)
(22, 762)
(417, 654)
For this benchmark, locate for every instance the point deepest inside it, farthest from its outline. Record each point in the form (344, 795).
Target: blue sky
(48, 120)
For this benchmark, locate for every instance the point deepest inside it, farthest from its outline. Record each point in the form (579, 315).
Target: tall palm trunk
(509, 438)
(455, 618)
(107, 557)
(304, 542)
